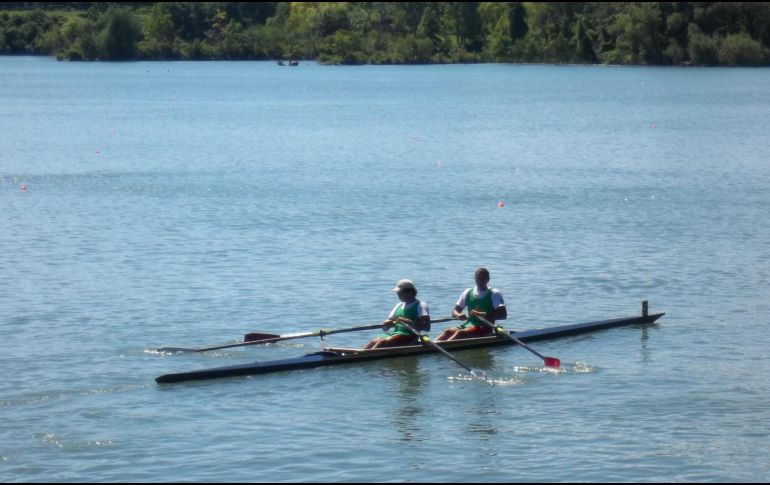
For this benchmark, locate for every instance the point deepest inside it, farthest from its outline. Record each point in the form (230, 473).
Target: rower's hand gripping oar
(277, 338)
(499, 330)
(424, 339)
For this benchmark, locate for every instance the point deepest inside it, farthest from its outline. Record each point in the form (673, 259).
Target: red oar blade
(255, 336)
(552, 362)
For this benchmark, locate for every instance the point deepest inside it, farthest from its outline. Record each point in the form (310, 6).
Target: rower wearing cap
(481, 301)
(411, 311)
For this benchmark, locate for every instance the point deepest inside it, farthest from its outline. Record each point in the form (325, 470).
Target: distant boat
(290, 63)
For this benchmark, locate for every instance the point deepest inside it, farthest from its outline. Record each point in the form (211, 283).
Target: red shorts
(399, 340)
(474, 331)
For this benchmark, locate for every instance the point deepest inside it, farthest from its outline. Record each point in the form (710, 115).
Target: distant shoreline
(677, 34)
(316, 61)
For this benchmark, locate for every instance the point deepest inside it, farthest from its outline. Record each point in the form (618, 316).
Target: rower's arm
(499, 313)
(458, 314)
(423, 323)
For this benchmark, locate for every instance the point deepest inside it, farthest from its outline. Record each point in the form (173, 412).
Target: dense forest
(656, 33)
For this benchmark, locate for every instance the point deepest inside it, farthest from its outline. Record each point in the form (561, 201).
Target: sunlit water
(184, 204)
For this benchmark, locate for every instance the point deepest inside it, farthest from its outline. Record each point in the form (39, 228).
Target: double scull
(338, 356)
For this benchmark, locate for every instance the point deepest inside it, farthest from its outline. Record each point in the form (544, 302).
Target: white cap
(405, 285)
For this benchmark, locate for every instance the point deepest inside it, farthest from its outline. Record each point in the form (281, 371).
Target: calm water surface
(154, 204)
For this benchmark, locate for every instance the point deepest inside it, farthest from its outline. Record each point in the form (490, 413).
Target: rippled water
(154, 204)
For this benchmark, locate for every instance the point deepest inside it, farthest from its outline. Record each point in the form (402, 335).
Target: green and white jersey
(412, 311)
(484, 301)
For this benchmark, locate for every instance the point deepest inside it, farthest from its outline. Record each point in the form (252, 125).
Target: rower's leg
(394, 341)
(379, 343)
(383, 342)
(447, 334)
(462, 333)
(372, 344)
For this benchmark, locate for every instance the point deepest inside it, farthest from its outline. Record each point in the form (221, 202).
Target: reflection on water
(644, 350)
(411, 383)
(483, 415)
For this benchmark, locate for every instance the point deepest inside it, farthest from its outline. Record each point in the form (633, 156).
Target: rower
(411, 311)
(481, 301)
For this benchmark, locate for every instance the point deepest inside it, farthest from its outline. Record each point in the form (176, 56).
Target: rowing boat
(337, 356)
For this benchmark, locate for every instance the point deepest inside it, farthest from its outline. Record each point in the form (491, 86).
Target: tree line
(645, 33)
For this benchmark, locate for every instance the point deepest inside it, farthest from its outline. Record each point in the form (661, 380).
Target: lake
(150, 204)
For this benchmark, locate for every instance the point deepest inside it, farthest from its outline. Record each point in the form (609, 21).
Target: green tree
(469, 32)
(160, 34)
(703, 49)
(676, 33)
(191, 19)
(706, 33)
(410, 49)
(742, 50)
(430, 23)
(640, 33)
(79, 40)
(343, 47)
(517, 21)
(121, 35)
(583, 44)
(329, 18)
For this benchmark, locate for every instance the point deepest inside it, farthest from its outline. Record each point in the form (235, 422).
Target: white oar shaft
(279, 338)
(424, 340)
(549, 361)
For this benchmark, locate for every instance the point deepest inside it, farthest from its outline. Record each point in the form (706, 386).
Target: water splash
(49, 439)
(576, 368)
(99, 443)
(486, 379)
(112, 389)
(583, 368)
(541, 369)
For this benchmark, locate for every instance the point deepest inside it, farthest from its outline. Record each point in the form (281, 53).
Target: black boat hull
(332, 356)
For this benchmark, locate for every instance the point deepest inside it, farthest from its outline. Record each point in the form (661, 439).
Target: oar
(271, 339)
(426, 340)
(260, 337)
(277, 338)
(549, 361)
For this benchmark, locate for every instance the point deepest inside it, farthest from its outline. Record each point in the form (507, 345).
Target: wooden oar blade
(256, 336)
